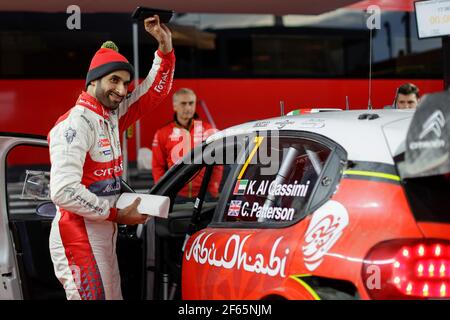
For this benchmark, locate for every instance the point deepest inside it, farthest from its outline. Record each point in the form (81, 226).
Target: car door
(27, 212)
(204, 166)
(24, 259)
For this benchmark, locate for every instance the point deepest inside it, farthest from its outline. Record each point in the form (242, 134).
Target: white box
(152, 205)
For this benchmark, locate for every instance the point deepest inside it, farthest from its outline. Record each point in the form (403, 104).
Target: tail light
(408, 269)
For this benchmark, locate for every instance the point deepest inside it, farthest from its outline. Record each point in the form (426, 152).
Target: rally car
(332, 205)
(335, 205)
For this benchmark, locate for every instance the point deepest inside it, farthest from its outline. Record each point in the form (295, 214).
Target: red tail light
(408, 269)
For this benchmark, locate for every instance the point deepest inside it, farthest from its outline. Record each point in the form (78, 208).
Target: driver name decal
(246, 209)
(271, 188)
(234, 256)
(326, 227)
(267, 212)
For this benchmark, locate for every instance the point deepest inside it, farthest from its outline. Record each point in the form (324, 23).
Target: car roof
(375, 140)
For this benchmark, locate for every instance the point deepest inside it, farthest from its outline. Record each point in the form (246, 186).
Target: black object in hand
(142, 13)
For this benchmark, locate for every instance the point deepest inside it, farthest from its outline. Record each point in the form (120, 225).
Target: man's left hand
(160, 32)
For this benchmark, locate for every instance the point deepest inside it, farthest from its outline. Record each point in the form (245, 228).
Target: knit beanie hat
(106, 60)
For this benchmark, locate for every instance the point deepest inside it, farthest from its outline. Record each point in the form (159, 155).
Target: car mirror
(46, 209)
(36, 185)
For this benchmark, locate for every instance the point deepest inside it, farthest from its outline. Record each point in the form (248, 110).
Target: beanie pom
(110, 45)
(106, 60)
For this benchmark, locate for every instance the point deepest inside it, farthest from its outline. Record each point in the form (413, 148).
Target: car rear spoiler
(428, 139)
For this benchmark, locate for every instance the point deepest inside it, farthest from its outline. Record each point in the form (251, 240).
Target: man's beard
(104, 98)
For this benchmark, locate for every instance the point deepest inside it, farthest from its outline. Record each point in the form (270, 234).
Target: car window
(276, 180)
(183, 181)
(27, 178)
(190, 190)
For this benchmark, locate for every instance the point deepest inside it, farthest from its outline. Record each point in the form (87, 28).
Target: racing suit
(171, 143)
(85, 183)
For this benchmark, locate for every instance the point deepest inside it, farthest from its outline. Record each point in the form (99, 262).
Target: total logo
(108, 171)
(162, 82)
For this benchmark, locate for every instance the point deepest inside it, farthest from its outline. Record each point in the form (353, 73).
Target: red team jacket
(171, 143)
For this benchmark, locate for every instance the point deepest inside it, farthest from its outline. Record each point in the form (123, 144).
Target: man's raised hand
(160, 32)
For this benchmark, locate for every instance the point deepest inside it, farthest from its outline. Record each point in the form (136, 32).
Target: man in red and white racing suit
(86, 167)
